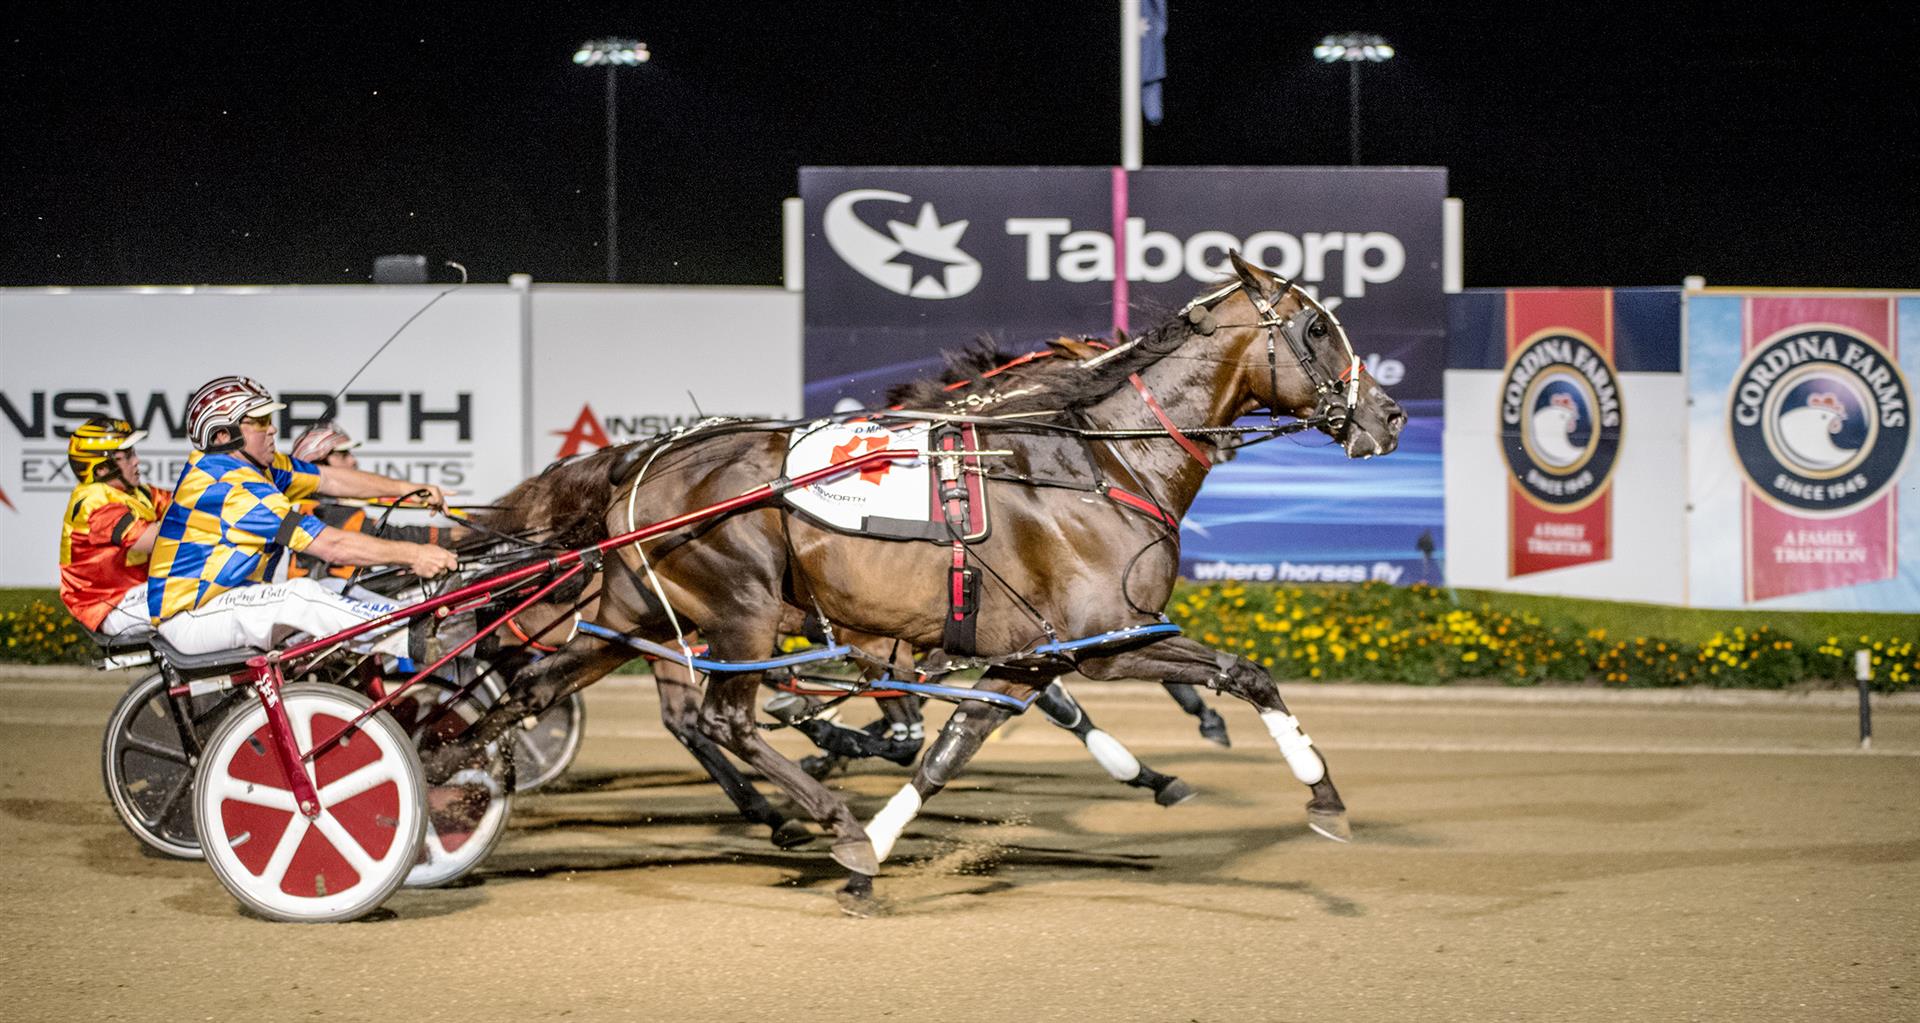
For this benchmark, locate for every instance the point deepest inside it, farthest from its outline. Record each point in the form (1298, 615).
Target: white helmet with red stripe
(321, 440)
(221, 403)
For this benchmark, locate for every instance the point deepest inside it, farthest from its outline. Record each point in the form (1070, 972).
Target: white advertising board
(1565, 448)
(615, 364)
(441, 404)
(1648, 560)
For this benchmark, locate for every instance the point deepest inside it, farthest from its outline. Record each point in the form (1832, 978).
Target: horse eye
(1319, 329)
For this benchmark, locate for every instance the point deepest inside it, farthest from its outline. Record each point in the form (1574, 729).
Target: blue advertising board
(905, 263)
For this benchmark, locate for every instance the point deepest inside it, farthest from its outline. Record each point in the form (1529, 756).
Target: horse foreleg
(1062, 709)
(531, 691)
(1182, 660)
(1213, 727)
(949, 753)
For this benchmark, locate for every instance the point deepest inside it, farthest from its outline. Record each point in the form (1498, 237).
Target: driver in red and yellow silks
(108, 531)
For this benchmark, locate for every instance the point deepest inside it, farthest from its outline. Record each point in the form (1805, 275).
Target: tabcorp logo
(922, 259)
(1560, 419)
(1820, 420)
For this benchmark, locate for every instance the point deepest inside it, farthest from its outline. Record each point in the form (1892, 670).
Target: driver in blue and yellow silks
(232, 519)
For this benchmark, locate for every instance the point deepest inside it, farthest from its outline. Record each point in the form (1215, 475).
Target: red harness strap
(1165, 421)
(1141, 505)
(521, 634)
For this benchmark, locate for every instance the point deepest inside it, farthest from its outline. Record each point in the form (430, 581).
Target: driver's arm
(345, 547)
(336, 481)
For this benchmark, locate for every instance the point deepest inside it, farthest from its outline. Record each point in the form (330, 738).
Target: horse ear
(1252, 277)
(1077, 349)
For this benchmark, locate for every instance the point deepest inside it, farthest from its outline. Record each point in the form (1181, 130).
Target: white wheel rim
(238, 813)
(444, 858)
(535, 765)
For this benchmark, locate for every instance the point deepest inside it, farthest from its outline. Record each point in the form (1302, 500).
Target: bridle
(1334, 397)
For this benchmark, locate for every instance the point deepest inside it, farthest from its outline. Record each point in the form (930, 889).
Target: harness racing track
(1532, 855)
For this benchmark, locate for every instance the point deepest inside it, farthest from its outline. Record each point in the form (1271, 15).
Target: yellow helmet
(90, 448)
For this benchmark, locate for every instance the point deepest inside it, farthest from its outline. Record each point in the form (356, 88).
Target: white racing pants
(268, 614)
(129, 616)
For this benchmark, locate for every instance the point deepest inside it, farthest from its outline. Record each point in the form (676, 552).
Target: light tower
(1355, 48)
(613, 54)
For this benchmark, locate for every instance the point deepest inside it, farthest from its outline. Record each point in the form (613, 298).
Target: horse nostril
(1396, 419)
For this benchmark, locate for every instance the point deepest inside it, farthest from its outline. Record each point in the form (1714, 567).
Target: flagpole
(1130, 84)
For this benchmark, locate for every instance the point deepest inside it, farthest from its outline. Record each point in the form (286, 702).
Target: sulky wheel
(466, 815)
(544, 746)
(148, 755)
(344, 862)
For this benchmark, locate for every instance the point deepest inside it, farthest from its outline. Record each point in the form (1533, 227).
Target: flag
(1153, 57)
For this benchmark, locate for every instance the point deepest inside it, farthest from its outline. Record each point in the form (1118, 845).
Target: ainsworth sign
(433, 407)
(902, 263)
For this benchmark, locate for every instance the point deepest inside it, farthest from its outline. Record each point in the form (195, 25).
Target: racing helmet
(320, 440)
(90, 449)
(221, 403)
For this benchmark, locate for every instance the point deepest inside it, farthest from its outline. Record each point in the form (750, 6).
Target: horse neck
(1197, 386)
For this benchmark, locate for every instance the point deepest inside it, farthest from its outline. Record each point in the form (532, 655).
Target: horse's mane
(566, 505)
(1061, 383)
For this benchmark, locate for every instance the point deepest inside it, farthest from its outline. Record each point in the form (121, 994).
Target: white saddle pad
(889, 490)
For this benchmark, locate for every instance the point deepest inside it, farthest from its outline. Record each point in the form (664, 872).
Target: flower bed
(42, 632)
(1379, 633)
(1367, 633)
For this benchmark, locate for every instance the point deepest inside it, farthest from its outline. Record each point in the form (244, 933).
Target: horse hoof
(1174, 793)
(1330, 824)
(819, 768)
(858, 901)
(442, 763)
(857, 856)
(1213, 728)
(791, 834)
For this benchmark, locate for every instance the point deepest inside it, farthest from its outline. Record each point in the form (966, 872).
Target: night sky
(275, 144)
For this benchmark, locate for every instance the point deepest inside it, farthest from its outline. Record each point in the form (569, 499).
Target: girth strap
(963, 606)
(963, 583)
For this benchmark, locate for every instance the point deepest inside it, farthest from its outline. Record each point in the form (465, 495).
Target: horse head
(1296, 359)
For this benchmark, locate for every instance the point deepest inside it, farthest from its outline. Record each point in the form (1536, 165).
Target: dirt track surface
(1548, 860)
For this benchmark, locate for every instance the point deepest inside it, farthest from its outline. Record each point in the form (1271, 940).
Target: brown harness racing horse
(1141, 424)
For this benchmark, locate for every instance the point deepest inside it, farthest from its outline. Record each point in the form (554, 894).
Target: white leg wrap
(885, 827)
(1296, 746)
(1118, 761)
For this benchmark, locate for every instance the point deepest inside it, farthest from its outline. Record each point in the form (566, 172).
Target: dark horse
(1061, 563)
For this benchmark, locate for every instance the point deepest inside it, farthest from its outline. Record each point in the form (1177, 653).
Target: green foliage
(1379, 633)
(41, 631)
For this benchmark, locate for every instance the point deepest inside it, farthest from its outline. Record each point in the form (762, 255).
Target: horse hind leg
(1062, 709)
(839, 743)
(1182, 660)
(1213, 727)
(680, 712)
(726, 716)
